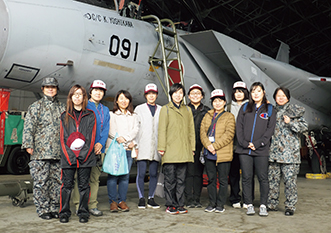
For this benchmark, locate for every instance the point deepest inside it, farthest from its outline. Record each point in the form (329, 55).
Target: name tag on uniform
(212, 139)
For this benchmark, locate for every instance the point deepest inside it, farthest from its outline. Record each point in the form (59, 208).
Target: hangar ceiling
(304, 25)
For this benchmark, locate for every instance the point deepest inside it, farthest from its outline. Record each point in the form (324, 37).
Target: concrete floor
(312, 215)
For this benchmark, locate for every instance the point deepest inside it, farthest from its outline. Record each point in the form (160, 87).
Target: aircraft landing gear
(17, 191)
(17, 202)
(318, 143)
(318, 163)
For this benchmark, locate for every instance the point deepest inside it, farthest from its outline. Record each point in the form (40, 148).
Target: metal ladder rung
(172, 68)
(171, 50)
(167, 52)
(169, 33)
(155, 59)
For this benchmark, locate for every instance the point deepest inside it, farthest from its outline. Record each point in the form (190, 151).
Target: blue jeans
(122, 181)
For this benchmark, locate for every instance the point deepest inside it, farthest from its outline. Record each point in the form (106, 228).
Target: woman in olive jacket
(216, 134)
(176, 144)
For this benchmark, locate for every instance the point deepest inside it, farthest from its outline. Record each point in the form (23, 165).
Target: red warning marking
(174, 74)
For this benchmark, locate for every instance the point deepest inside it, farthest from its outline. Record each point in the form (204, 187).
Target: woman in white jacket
(124, 122)
(148, 115)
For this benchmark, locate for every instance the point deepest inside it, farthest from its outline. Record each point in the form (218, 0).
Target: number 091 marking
(124, 48)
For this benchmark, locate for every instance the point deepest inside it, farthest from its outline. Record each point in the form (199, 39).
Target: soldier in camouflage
(284, 158)
(41, 139)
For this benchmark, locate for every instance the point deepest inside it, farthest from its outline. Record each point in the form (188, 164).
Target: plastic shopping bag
(115, 162)
(159, 191)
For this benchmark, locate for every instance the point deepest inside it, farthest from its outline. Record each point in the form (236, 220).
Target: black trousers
(234, 178)
(174, 183)
(260, 164)
(193, 180)
(68, 181)
(221, 170)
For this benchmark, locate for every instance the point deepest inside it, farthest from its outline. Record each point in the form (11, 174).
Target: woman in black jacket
(77, 135)
(194, 172)
(254, 129)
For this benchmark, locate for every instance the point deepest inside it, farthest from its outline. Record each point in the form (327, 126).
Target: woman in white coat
(148, 115)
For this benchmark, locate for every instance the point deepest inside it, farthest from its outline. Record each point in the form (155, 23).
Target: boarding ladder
(167, 52)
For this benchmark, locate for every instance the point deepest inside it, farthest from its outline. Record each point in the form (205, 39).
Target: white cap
(239, 84)
(98, 84)
(77, 144)
(76, 141)
(195, 86)
(151, 87)
(217, 93)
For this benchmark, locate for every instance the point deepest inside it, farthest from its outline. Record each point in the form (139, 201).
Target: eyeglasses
(78, 94)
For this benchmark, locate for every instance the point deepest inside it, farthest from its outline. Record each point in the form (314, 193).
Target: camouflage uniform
(42, 134)
(284, 155)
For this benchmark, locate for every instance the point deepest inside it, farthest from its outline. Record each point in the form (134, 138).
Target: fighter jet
(79, 41)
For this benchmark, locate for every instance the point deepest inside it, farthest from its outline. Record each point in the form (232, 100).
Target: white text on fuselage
(107, 19)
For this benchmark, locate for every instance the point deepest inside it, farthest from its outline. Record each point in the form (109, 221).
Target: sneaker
(210, 209)
(172, 210)
(190, 205)
(64, 219)
(289, 212)
(219, 209)
(236, 205)
(83, 219)
(250, 210)
(113, 207)
(123, 206)
(263, 211)
(245, 206)
(198, 205)
(142, 204)
(54, 214)
(182, 210)
(152, 204)
(46, 216)
(95, 212)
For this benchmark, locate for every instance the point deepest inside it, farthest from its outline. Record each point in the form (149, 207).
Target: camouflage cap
(50, 81)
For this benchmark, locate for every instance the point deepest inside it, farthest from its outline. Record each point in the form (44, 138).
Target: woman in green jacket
(176, 144)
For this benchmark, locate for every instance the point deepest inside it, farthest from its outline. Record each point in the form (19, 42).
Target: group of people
(68, 143)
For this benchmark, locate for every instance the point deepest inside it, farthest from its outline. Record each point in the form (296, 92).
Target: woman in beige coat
(176, 144)
(216, 134)
(124, 122)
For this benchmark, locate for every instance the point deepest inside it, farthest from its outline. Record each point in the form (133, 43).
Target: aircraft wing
(304, 86)
(238, 61)
(322, 82)
(210, 56)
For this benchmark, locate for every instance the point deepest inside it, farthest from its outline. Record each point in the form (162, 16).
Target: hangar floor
(312, 215)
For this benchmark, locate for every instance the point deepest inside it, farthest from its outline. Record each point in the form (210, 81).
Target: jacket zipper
(252, 136)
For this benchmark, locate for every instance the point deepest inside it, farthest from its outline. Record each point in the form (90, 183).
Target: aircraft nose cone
(3, 28)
